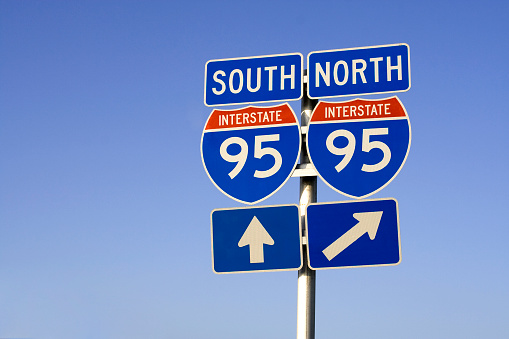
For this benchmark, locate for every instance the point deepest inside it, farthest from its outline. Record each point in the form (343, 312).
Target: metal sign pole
(307, 277)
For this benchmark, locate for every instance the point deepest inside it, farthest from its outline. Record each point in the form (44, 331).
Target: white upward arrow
(368, 222)
(255, 236)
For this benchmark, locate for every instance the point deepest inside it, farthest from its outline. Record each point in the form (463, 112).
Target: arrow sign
(336, 234)
(368, 222)
(240, 236)
(255, 236)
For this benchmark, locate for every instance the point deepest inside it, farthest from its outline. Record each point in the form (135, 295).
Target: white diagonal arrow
(368, 222)
(255, 236)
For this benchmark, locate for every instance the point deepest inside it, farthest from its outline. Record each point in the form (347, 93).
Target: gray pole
(307, 277)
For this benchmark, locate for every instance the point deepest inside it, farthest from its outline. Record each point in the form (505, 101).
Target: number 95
(367, 146)
(259, 151)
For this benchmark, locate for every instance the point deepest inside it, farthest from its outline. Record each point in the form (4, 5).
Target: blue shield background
(245, 187)
(351, 180)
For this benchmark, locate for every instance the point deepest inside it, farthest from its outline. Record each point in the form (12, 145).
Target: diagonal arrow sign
(368, 222)
(255, 236)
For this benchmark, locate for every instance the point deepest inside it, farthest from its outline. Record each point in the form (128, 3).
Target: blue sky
(105, 205)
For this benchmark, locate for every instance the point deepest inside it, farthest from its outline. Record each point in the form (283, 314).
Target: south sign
(265, 78)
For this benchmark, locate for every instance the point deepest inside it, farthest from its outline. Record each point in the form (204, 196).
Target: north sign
(359, 146)
(353, 234)
(253, 79)
(250, 153)
(265, 238)
(354, 71)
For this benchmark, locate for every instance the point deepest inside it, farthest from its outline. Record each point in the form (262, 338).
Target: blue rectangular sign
(265, 238)
(353, 234)
(365, 70)
(253, 79)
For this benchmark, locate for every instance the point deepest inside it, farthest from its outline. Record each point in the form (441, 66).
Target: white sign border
(395, 174)
(255, 102)
(347, 202)
(284, 182)
(256, 271)
(364, 93)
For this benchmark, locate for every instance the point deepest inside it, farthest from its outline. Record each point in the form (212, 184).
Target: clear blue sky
(105, 205)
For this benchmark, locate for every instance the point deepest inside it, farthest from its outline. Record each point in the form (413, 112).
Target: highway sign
(353, 71)
(353, 234)
(265, 78)
(250, 153)
(359, 146)
(265, 238)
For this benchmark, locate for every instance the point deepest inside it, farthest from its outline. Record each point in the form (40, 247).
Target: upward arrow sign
(255, 236)
(368, 222)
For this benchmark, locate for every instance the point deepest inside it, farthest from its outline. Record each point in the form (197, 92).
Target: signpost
(353, 234)
(358, 147)
(365, 70)
(250, 153)
(255, 79)
(254, 239)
